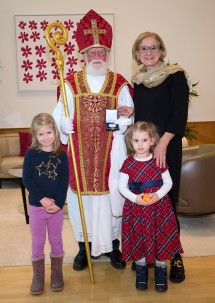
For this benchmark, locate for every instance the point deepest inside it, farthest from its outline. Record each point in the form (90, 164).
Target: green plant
(190, 133)
(193, 93)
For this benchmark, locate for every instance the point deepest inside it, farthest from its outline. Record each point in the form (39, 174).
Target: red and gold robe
(92, 142)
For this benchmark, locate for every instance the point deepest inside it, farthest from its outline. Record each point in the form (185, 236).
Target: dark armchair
(197, 191)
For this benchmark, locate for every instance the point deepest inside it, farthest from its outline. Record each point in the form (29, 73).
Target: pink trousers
(39, 221)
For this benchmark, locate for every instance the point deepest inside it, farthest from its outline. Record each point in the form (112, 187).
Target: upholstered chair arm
(197, 191)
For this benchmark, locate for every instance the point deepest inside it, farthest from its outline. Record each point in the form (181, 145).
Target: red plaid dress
(148, 231)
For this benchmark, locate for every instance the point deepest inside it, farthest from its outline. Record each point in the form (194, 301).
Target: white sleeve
(125, 97)
(58, 112)
(167, 184)
(123, 187)
(124, 100)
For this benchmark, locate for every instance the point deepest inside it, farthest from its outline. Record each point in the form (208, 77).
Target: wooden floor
(111, 285)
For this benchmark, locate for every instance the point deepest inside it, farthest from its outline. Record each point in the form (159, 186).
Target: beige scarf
(157, 74)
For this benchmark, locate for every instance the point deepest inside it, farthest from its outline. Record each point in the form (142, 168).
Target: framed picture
(36, 65)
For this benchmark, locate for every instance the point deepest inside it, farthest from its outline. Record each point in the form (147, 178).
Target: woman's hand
(161, 148)
(160, 153)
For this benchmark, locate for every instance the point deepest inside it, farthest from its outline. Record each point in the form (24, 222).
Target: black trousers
(174, 160)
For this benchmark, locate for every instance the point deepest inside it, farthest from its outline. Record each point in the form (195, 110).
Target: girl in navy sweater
(45, 175)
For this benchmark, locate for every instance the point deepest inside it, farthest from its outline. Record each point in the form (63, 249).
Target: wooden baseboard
(206, 132)
(13, 130)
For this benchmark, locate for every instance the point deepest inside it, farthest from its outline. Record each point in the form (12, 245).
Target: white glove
(122, 130)
(124, 121)
(67, 125)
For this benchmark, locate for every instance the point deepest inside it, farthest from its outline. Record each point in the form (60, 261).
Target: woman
(161, 95)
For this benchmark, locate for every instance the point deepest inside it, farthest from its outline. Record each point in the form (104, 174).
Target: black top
(45, 175)
(166, 105)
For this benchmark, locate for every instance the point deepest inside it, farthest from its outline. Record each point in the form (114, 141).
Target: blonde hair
(139, 40)
(144, 126)
(41, 120)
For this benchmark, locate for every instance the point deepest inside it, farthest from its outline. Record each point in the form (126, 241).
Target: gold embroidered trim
(95, 31)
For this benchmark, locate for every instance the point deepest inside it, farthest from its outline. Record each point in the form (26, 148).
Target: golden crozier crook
(61, 39)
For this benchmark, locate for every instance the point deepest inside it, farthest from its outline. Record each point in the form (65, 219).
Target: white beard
(94, 70)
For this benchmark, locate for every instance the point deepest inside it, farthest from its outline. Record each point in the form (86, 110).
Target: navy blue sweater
(45, 175)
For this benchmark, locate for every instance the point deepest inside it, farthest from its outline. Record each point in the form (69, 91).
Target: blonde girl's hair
(41, 120)
(139, 40)
(142, 126)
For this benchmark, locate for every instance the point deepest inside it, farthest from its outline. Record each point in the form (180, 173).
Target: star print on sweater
(49, 169)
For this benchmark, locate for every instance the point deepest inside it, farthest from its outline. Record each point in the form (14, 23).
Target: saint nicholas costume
(99, 152)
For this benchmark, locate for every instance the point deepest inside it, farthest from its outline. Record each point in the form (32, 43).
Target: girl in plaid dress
(149, 229)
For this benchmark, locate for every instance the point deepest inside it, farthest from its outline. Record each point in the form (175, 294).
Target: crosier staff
(61, 39)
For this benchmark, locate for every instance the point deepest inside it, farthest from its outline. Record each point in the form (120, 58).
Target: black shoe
(161, 279)
(177, 272)
(116, 259)
(141, 277)
(80, 261)
(133, 265)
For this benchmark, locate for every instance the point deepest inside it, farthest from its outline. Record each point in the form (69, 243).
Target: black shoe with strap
(80, 261)
(177, 272)
(116, 259)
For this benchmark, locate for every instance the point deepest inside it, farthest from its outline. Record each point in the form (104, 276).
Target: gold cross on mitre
(95, 31)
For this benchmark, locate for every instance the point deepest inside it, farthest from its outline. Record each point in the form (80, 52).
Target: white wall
(187, 27)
